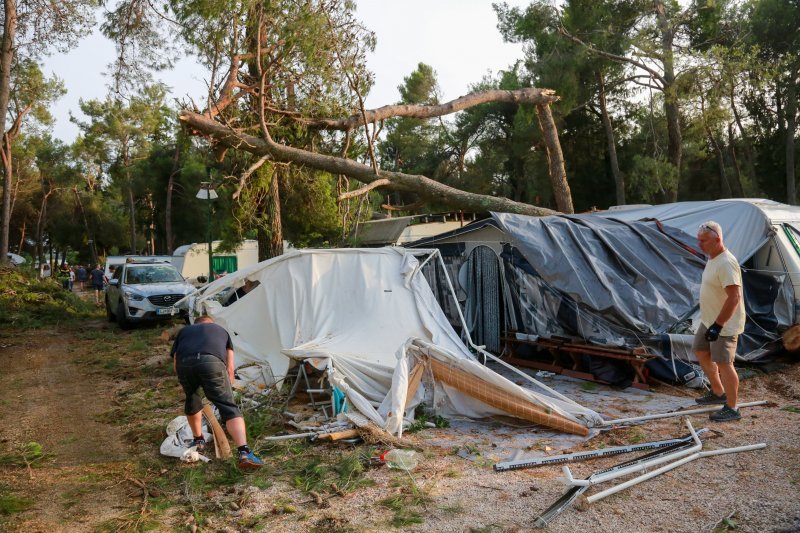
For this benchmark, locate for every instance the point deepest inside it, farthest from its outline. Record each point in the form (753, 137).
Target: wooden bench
(574, 349)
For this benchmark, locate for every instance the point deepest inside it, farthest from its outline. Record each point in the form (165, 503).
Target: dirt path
(49, 396)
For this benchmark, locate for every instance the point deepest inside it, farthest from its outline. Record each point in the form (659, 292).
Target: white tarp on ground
(354, 311)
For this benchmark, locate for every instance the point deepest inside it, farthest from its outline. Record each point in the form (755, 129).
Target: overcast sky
(458, 38)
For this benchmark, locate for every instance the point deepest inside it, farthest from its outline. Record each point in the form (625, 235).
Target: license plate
(165, 311)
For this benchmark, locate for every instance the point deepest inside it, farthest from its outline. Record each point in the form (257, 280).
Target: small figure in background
(63, 275)
(82, 276)
(97, 277)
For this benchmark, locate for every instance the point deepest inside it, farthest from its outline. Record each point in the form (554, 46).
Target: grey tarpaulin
(633, 274)
(626, 282)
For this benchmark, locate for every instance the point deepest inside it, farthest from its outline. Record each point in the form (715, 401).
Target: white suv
(145, 290)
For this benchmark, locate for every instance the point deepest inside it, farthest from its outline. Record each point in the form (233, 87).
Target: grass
(422, 416)
(408, 504)
(10, 503)
(791, 409)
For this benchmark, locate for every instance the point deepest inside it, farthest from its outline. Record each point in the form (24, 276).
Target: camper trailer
(192, 259)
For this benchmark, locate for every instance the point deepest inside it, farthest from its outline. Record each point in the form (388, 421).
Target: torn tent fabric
(353, 312)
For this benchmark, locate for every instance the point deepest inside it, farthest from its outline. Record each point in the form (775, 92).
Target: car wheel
(109, 314)
(122, 320)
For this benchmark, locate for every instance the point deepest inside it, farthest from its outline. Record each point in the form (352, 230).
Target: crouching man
(722, 316)
(203, 357)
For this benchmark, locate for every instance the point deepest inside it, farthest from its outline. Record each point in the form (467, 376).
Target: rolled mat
(489, 394)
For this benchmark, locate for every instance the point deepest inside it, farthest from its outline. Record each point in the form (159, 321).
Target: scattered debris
(593, 454)
(575, 492)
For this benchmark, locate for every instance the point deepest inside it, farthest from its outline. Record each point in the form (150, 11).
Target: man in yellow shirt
(722, 321)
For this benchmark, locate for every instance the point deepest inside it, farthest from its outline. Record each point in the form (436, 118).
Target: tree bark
(21, 245)
(671, 110)
(89, 234)
(423, 186)
(738, 188)
(724, 185)
(40, 223)
(168, 207)
(791, 127)
(6, 59)
(746, 145)
(619, 179)
(132, 209)
(274, 216)
(558, 174)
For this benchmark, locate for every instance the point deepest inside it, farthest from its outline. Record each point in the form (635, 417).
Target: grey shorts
(209, 373)
(723, 350)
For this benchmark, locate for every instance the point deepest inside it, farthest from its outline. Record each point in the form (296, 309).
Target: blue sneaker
(200, 444)
(249, 461)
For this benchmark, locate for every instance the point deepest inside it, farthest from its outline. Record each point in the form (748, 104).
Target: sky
(458, 38)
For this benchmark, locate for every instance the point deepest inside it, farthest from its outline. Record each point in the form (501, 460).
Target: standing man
(96, 275)
(81, 274)
(722, 316)
(203, 357)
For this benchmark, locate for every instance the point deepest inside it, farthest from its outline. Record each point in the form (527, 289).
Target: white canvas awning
(356, 311)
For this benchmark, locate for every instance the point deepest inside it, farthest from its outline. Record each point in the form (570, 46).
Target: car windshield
(151, 274)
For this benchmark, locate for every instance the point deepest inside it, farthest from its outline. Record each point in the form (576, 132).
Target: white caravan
(191, 260)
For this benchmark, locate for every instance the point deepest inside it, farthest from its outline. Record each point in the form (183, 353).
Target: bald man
(722, 321)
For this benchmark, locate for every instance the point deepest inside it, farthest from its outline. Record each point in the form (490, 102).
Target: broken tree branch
(615, 57)
(425, 187)
(529, 95)
(364, 190)
(247, 173)
(558, 172)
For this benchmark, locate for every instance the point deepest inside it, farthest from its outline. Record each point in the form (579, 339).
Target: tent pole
(616, 488)
(620, 421)
(594, 480)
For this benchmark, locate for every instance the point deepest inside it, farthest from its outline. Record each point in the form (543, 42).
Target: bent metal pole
(633, 469)
(666, 468)
(700, 410)
(593, 454)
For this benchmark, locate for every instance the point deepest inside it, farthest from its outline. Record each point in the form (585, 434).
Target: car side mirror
(114, 282)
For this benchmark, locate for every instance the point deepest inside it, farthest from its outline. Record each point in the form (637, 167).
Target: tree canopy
(611, 102)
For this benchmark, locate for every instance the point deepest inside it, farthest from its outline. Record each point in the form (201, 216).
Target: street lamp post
(207, 192)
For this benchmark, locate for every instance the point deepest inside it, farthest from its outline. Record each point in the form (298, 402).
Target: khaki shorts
(723, 350)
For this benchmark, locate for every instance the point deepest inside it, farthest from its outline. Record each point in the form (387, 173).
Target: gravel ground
(757, 489)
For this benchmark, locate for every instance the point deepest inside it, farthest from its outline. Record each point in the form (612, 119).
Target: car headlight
(134, 295)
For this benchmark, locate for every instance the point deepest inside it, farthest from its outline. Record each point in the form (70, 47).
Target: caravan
(191, 260)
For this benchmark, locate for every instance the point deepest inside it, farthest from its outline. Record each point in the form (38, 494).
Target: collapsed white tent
(366, 316)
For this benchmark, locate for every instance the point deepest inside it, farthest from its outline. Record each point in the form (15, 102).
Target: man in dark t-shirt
(96, 275)
(203, 357)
